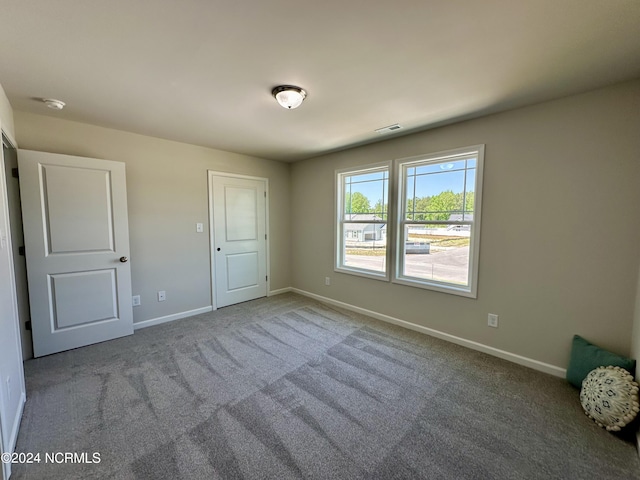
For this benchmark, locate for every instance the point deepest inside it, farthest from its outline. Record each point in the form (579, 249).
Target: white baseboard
(279, 291)
(13, 439)
(6, 470)
(177, 316)
(170, 318)
(512, 357)
(15, 428)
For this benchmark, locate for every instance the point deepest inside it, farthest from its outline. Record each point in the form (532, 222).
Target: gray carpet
(286, 388)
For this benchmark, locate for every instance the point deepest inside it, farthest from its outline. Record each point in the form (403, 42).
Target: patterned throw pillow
(610, 397)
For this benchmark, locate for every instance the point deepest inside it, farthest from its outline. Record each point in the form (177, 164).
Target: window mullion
(464, 191)
(413, 203)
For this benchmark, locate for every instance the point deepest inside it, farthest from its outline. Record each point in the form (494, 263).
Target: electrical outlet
(135, 300)
(199, 227)
(492, 320)
(327, 280)
(162, 296)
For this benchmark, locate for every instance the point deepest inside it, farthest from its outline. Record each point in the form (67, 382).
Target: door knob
(218, 249)
(124, 259)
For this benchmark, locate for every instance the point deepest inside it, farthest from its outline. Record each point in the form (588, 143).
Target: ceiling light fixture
(289, 96)
(53, 104)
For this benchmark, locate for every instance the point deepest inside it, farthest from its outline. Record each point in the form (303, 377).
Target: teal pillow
(586, 357)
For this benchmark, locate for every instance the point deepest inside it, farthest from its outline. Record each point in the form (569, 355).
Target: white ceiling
(202, 71)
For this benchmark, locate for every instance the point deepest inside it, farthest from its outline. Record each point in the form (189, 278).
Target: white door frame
(14, 287)
(14, 423)
(210, 175)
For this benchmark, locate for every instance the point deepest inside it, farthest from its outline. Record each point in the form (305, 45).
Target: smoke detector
(389, 128)
(53, 104)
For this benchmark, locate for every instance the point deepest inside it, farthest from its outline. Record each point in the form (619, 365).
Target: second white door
(239, 238)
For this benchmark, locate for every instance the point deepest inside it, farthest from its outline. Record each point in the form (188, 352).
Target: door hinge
(265, 194)
(266, 278)
(265, 236)
(14, 173)
(27, 325)
(21, 250)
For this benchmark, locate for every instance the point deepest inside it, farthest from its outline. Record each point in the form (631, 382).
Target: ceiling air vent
(389, 128)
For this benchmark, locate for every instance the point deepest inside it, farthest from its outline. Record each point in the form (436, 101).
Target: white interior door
(77, 247)
(239, 238)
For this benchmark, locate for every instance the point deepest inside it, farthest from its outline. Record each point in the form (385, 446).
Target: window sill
(437, 287)
(363, 273)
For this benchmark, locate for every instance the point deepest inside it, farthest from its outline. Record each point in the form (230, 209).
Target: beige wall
(167, 196)
(6, 114)
(560, 239)
(635, 344)
(635, 334)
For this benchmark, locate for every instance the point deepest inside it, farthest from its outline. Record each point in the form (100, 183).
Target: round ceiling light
(54, 104)
(289, 96)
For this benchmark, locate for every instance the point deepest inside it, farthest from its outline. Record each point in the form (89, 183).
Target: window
(439, 220)
(432, 237)
(363, 203)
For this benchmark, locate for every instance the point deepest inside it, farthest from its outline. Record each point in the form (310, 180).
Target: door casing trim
(14, 423)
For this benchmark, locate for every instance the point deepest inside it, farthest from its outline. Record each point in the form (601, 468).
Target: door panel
(80, 298)
(76, 231)
(240, 214)
(78, 210)
(239, 239)
(242, 270)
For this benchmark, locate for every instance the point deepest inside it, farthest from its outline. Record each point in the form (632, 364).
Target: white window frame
(400, 168)
(339, 265)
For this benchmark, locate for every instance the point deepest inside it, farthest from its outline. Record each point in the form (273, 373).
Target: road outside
(447, 260)
(449, 264)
